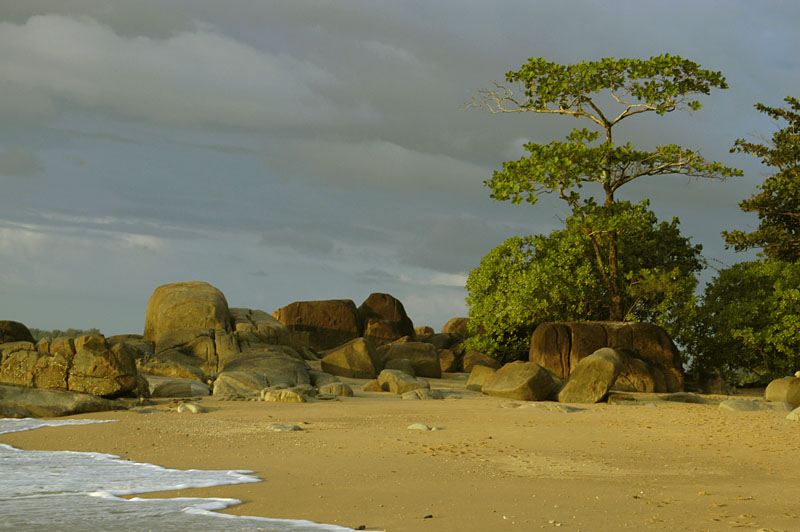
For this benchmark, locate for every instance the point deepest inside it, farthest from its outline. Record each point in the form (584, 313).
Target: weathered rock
(636, 375)
(384, 319)
(196, 343)
(443, 341)
(22, 365)
(186, 305)
(395, 381)
(357, 359)
(323, 324)
(592, 378)
(173, 364)
(239, 383)
(523, 381)
(449, 361)
(14, 331)
(169, 387)
(283, 396)
(743, 405)
(19, 402)
(423, 356)
(98, 370)
(478, 377)
(422, 394)
(456, 326)
(191, 408)
(339, 389)
(260, 323)
(321, 378)
(786, 389)
(683, 397)
(475, 358)
(794, 415)
(401, 364)
(423, 331)
(372, 386)
(281, 427)
(561, 346)
(276, 366)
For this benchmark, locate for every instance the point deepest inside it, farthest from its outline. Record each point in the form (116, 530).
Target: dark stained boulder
(384, 319)
(523, 381)
(322, 324)
(449, 361)
(475, 358)
(14, 331)
(186, 305)
(561, 346)
(423, 357)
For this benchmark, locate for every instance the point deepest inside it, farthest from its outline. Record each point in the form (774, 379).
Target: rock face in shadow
(185, 305)
(384, 319)
(14, 331)
(523, 381)
(592, 378)
(19, 402)
(559, 347)
(321, 324)
(423, 357)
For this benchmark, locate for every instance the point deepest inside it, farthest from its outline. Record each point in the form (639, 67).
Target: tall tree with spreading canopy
(778, 203)
(604, 93)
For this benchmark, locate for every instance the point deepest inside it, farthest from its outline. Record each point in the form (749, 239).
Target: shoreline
(673, 466)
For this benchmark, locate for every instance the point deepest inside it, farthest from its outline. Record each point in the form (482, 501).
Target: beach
(494, 464)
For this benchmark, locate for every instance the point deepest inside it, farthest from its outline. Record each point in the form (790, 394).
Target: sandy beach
(494, 465)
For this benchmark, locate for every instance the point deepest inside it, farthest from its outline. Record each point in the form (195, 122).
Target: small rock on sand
(422, 426)
(192, 408)
(279, 427)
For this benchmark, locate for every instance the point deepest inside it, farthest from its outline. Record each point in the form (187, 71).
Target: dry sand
(492, 466)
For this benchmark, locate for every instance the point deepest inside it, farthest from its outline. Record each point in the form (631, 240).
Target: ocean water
(77, 492)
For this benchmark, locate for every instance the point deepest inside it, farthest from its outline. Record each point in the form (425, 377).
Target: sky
(307, 150)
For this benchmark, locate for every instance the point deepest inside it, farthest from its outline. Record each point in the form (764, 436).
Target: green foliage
(38, 334)
(529, 280)
(659, 85)
(749, 321)
(778, 203)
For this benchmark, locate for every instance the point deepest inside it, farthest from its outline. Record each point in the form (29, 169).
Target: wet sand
(493, 466)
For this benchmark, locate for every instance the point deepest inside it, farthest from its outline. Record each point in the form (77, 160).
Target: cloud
(195, 77)
(19, 161)
(302, 241)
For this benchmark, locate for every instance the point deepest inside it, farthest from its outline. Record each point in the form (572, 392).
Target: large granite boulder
(276, 366)
(322, 324)
(186, 305)
(784, 390)
(14, 331)
(197, 344)
(456, 326)
(239, 383)
(559, 347)
(173, 364)
(262, 325)
(357, 359)
(398, 382)
(523, 381)
(449, 361)
(384, 319)
(172, 387)
(475, 358)
(21, 364)
(592, 378)
(423, 356)
(478, 377)
(20, 402)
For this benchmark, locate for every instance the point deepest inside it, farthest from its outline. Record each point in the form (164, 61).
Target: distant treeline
(38, 334)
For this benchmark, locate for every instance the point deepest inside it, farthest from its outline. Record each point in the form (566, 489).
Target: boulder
(261, 324)
(20, 402)
(339, 389)
(786, 390)
(199, 344)
(559, 347)
(422, 394)
(475, 358)
(714, 383)
(282, 396)
(423, 356)
(372, 386)
(423, 331)
(395, 381)
(794, 415)
(357, 359)
(523, 381)
(449, 361)
(478, 377)
(186, 305)
(14, 331)
(384, 319)
(22, 365)
(99, 370)
(275, 366)
(321, 378)
(636, 375)
(172, 364)
(239, 383)
(167, 387)
(401, 364)
(592, 378)
(322, 324)
(456, 326)
(744, 405)
(443, 341)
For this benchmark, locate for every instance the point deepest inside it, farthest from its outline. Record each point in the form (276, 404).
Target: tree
(778, 203)
(749, 321)
(529, 280)
(632, 87)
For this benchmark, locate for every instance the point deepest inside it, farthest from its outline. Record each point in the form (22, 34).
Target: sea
(68, 491)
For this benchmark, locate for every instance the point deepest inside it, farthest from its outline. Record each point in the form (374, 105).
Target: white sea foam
(76, 491)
